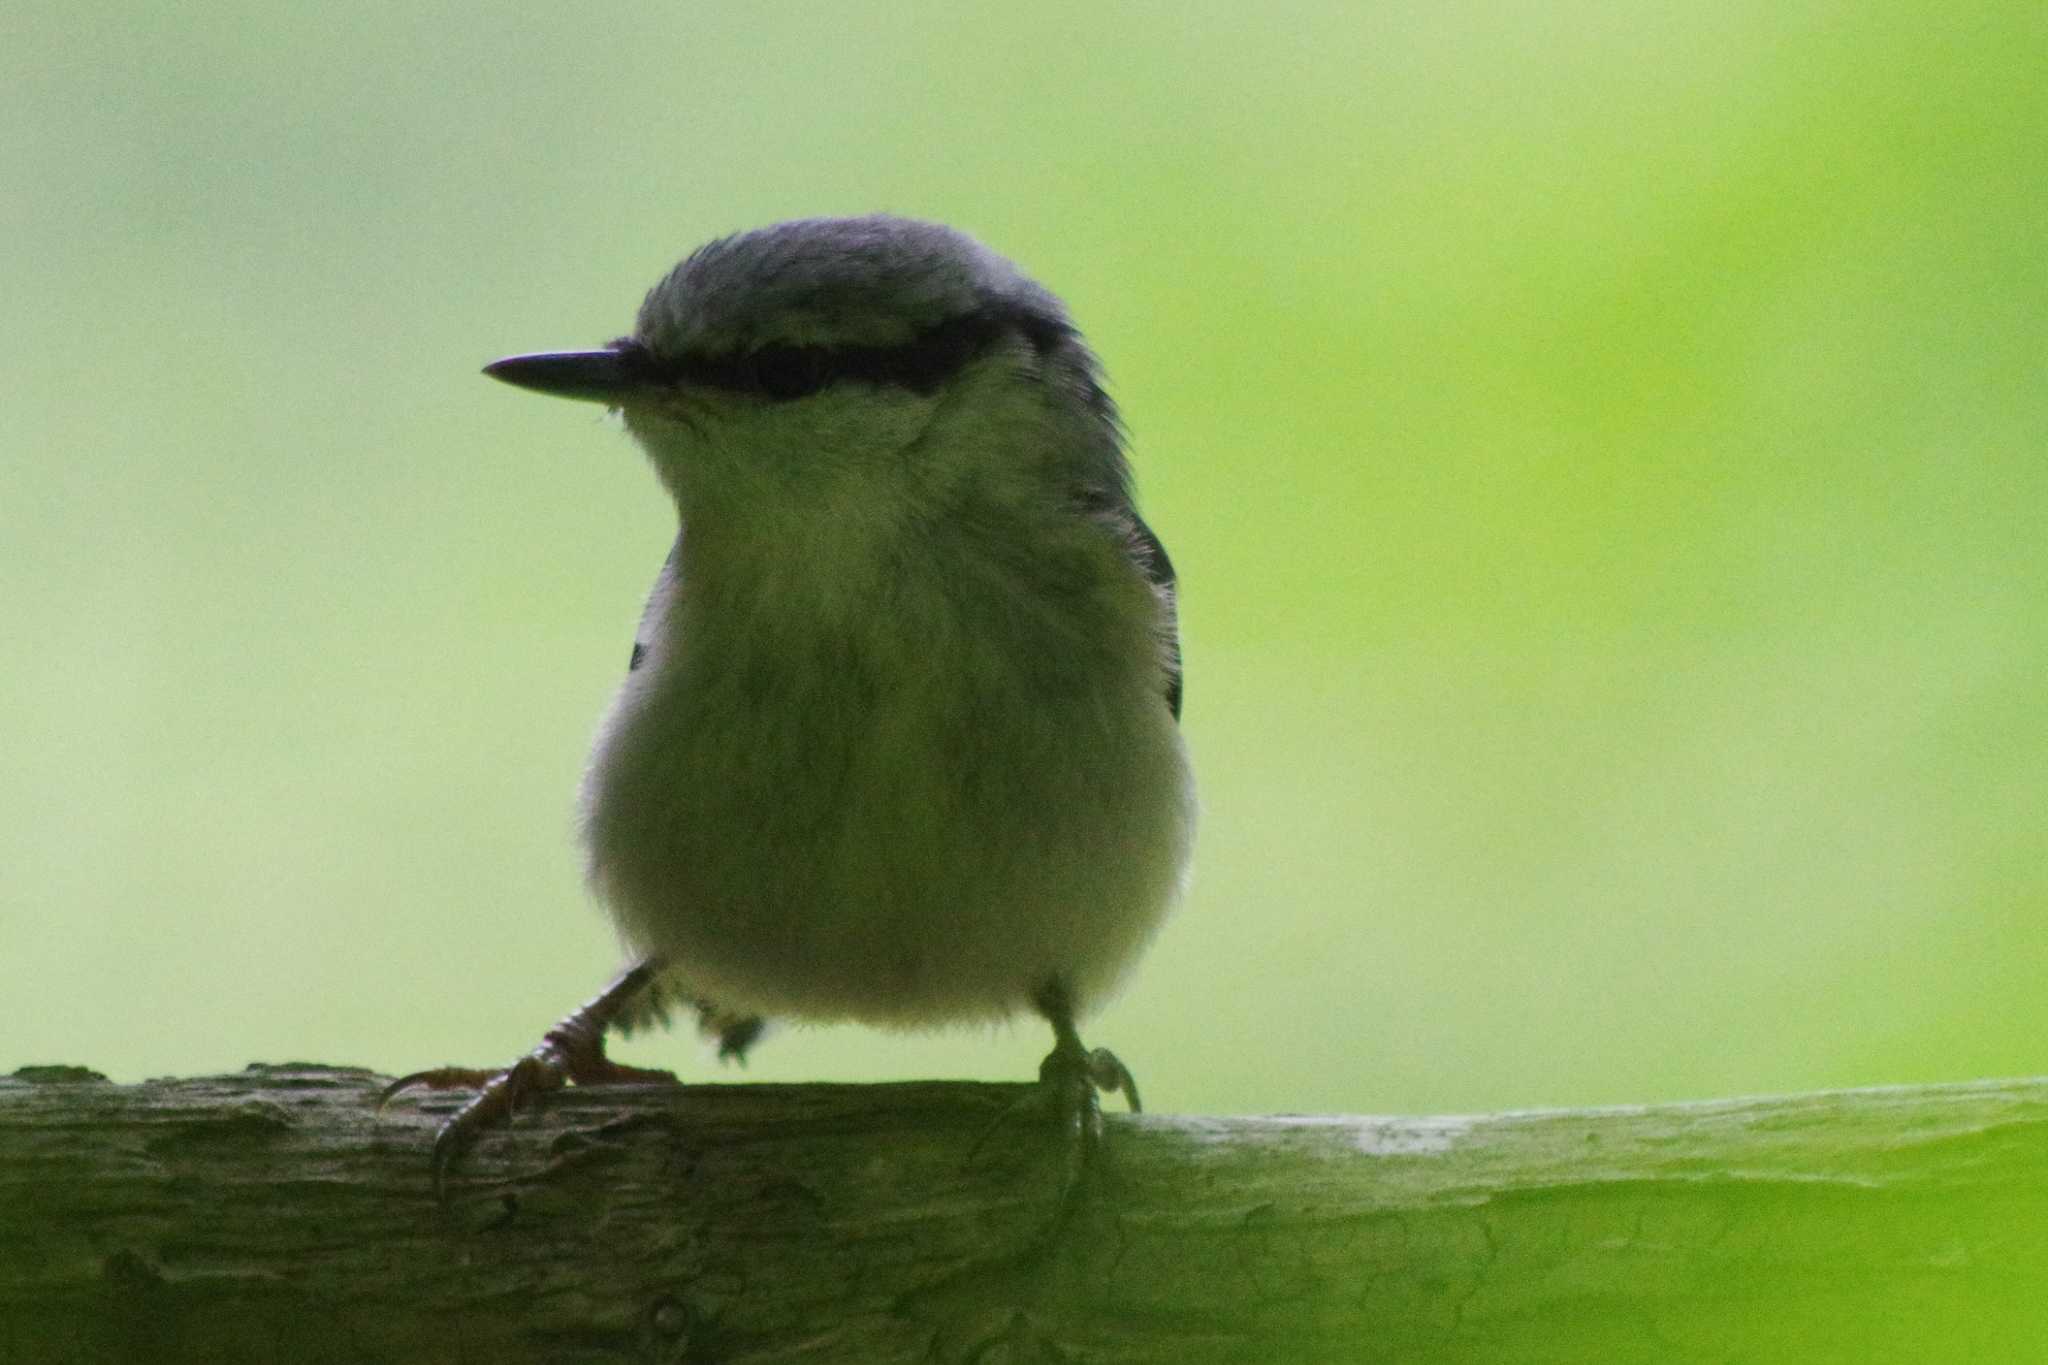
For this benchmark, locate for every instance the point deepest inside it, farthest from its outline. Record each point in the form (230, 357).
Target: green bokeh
(1607, 455)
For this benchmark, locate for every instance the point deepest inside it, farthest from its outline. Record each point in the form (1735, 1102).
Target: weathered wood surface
(275, 1216)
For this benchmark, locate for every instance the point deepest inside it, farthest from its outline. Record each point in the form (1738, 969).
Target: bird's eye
(784, 372)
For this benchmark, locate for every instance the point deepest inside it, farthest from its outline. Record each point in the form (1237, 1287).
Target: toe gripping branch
(1099, 1067)
(1070, 1081)
(1072, 1074)
(571, 1051)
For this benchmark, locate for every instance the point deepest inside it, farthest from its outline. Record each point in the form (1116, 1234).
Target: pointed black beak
(608, 376)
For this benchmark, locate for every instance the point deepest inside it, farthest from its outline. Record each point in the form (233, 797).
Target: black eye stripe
(919, 365)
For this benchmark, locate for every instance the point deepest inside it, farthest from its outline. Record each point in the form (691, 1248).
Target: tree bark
(275, 1215)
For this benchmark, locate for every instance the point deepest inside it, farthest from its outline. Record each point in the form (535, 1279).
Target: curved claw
(1108, 1074)
(449, 1144)
(499, 1099)
(434, 1078)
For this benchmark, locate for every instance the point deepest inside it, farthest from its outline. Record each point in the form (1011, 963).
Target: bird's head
(841, 363)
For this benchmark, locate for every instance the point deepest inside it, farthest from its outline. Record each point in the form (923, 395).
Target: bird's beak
(606, 376)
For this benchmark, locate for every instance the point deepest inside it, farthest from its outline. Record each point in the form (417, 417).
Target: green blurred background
(1604, 453)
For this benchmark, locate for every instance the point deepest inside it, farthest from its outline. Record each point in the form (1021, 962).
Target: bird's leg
(571, 1051)
(1069, 1081)
(1072, 1074)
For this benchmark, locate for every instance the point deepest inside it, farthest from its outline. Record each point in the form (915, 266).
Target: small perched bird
(899, 740)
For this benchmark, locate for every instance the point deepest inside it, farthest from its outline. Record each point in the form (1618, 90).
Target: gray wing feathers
(658, 599)
(1150, 557)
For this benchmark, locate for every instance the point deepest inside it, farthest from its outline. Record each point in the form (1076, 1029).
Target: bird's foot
(570, 1052)
(1071, 1081)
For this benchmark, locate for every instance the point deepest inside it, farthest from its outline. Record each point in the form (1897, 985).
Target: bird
(899, 740)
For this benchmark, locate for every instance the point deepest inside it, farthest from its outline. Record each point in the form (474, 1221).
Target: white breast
(907, 793)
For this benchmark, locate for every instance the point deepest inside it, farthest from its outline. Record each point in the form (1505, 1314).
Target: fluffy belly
(898, 855)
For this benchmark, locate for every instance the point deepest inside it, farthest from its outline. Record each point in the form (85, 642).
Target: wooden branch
(275, 1216)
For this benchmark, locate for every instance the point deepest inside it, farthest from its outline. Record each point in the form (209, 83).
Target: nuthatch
(899, 741)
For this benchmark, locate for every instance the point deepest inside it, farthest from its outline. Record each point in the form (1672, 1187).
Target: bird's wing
(668, 989)
(658, 599)
(1150, 557)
